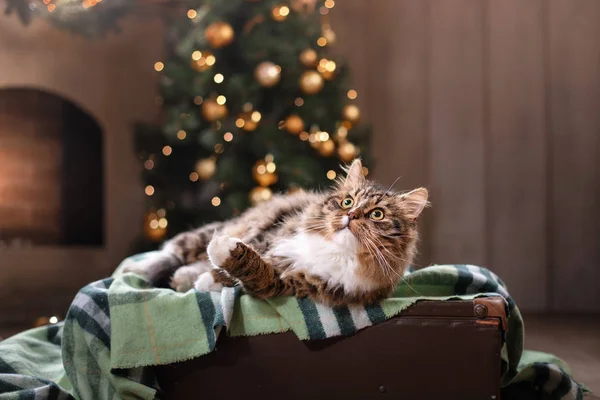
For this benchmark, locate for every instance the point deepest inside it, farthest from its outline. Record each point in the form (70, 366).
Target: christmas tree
(253, 103)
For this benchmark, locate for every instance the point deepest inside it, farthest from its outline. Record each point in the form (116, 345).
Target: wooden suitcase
(433, 350)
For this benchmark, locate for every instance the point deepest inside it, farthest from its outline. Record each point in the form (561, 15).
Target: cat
(349, 245)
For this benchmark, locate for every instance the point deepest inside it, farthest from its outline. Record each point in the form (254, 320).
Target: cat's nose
(352, 215)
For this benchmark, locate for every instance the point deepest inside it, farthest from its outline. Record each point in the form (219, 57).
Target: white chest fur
(334, 260)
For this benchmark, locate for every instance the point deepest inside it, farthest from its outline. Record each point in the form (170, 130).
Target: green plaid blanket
(119, 327)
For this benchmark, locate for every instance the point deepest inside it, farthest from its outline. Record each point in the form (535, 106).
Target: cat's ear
(414, 202)
(355, 177)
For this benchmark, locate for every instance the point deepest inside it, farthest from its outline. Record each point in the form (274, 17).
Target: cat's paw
(220, 248)
(206, 283)
(183, 279)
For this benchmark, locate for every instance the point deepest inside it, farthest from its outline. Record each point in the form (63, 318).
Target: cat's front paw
(206, 283)
(220, 248)
(183, 279)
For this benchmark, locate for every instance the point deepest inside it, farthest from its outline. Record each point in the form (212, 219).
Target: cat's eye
(376, 214)
(347, 202)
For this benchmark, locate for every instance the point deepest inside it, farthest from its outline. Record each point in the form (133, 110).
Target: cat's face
(380, 222)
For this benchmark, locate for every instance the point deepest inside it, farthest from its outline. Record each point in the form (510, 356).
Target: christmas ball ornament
(308, 58)
(248, 120)
(155, 228)
(347, 151)
(351, 113)
(294, 124)
(203, 60)
(267, 73)
(206, 167)
(213, 111)
(263, 173)
(260, 194)
(311, 82)
(327, 148)
(219, 34)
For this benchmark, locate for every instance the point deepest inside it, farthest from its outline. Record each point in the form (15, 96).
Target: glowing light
(192, 14)
(269, 158)
(330, 66)
(312, 138)
(53, 320)
(255, 117)
(304, 136)
(284, 11)
(271, 167)
(342, 132)
(167, 150)
(216, 201)
(329, 3)
(322, 42)
(194, 177)
(365, 171)
(219, 78)
(196, 55)
(149, 190)
(261, 169)
(240, 122)
(181, 134)
(161, 213)
(299, 101)
(51, 7)
(198, 100)
(228, 136)
(352, 94)
(154, 224)
(210, 60)
(149, 164)
(323, 136)
(218, 148)
(162, 223)
(331, 174)
(221, 100)
(324, 10)
(158, 66)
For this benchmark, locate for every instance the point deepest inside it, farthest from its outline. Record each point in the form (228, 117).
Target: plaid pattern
(118, 327)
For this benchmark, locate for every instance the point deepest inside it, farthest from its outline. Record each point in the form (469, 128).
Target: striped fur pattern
(347, 246)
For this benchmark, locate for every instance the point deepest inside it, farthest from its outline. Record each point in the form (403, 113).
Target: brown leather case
(433, 350)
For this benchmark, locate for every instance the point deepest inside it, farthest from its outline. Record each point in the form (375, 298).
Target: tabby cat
(350, 245)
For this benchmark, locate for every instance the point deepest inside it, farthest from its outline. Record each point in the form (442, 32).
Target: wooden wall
(495, 106)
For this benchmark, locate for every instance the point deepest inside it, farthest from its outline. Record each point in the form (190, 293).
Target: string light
(324, 10)
(331, 174)
(304, 136)
(149, 164)
(365, 171)
(218, 148)
(210, 60)
(322, 42)
(158, 66)
(51, 7)
(240, 122)
(194, 177)
(181, 134)
(271, 167)
(330, 66)
(167, 150)
(149, 190)
(228, 136)
(323, 136)
(299, 101)
(269, 158)
(256, 116)
(342, 132)
(352, 94)
(53, 320)
(161, 213)
(216, 201)
(162, 223)
(192, 14)
(219, 78)
(154, 224)
(221, 100)
(198, 100)
(196, 55)
(329, 3)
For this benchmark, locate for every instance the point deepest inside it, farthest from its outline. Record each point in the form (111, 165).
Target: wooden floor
(575, 339)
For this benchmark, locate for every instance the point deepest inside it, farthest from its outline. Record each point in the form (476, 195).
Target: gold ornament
(294, 124)
(280, 12)
(260, 194)
(267, 73)
(311, 82)
(219, 34)
(308, 58)
(351, 113)
(263, 173)
(206, 167)
(248, 120)
(347, 151)
(155, 227)
(327, 148)
(202, 60)
(213, 111)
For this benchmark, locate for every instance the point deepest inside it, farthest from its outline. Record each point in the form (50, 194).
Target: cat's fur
(303, 244)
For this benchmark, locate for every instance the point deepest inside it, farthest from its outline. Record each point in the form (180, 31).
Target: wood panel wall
(495, 106)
